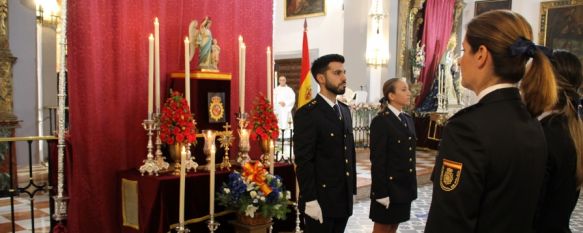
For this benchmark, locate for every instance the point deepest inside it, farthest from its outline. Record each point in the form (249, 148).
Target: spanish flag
(305, 93)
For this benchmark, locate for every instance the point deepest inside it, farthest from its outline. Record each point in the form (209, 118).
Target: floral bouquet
(176, 123)
(264, 123)
(255, 191)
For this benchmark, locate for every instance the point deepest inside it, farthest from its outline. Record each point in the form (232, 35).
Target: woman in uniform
(564, 133)
(492, 157)
(392, 156)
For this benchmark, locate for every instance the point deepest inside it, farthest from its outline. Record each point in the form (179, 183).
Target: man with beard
(324, 151)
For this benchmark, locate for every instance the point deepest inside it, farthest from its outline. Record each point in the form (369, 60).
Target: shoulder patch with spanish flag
(451, 173)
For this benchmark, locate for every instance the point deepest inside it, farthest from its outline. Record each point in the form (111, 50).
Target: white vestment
(283, 113)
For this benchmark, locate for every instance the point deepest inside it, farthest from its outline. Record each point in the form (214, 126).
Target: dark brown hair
(569, 78)
(498, 30)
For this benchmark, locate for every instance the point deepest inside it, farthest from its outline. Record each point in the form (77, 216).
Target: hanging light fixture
(47, 12)
(377, 49)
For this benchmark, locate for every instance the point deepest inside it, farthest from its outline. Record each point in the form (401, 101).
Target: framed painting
(299, 9)
(562, 26)
(484, 6)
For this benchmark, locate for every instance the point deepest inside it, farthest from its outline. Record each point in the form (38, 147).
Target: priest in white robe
(284, 99)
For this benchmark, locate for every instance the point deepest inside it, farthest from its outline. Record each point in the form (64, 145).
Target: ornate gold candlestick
(226, 138)
(150, 166)
(189, 163)
(244, 146)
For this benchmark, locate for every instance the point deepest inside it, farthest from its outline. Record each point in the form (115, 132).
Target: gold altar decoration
(225, 140)
(436, 120)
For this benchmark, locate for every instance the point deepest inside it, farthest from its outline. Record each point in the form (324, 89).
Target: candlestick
(157, 62)
(271, 147)
(150, 76)
(269, 88)
(209, 142)
(182, 184)
(187, 71)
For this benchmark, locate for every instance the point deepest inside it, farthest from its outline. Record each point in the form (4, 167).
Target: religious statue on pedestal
(201, 37)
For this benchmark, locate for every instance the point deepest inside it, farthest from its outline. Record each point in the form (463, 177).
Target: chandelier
(377, 47)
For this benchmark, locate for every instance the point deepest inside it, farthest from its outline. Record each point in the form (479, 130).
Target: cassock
(286, 95)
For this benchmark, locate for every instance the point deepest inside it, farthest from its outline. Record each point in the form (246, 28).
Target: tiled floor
(22, 215)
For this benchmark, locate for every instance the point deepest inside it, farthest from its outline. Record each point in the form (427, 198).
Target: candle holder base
(265, 160)
(181, 229)
(226, 164)
(298, 229)
(150, 166)
(243, 158)
(212, 225)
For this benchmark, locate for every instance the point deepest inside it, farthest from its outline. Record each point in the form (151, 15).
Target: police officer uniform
(392, 156)
(325, 157)
(490, 168)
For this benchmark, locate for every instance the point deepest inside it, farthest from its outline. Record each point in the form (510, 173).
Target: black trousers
(330, 225)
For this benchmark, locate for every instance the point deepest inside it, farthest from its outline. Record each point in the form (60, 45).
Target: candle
(241, 74)
(297, 186)
(271, 160)
(212, 182)
(157, 62)
(182, 184)
(269, 88)
(187, 71)
(243, 48)
(150, 76)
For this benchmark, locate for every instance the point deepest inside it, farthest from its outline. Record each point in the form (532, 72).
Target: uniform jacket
(489, 172)
(392, 155)
(561, 194)
(325, 157)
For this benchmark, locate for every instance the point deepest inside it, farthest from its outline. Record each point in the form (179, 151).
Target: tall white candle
(187, 71)
(269, 88)
(212, 181)
(157, 62)
(271, 160)
(241, 76)
(150, 76)
(182, 184)
(243, 48)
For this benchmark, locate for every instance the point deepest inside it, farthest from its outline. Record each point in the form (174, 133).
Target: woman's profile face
(402, 95)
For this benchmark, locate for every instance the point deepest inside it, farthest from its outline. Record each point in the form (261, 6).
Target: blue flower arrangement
(255, 191)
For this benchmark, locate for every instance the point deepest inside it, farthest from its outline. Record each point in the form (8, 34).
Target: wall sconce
(47, 12)
(377, 48)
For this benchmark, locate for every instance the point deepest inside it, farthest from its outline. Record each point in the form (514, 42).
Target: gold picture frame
(299, 9)
(485, 6)
(561, 25)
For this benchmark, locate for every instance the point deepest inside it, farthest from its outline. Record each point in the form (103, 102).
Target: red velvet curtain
(107, 64)
(437, 29)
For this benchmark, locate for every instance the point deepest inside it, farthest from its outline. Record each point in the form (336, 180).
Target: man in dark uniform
(324, 151)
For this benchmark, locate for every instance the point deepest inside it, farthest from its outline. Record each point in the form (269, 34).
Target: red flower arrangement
(264, 123)
(176, 123)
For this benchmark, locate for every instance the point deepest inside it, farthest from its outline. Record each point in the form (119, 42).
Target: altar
(150, 203)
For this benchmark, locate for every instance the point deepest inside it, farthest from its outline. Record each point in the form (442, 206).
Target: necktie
(403, 119)
(337, 110)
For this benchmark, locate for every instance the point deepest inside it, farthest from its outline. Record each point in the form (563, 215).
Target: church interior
(82, 150)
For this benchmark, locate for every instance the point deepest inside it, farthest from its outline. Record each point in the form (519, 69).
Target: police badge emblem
(216, 109)
(451, 173)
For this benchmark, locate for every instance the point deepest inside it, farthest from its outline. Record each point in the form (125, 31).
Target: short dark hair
(320, 65)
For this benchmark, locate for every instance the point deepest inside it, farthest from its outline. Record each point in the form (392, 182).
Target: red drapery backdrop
(107, 65)
(437, 29)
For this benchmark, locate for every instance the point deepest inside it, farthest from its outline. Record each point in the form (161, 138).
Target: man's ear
(320, 78)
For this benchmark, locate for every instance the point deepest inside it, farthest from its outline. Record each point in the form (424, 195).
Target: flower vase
(175, 150)
(258, 219)
(264, 146)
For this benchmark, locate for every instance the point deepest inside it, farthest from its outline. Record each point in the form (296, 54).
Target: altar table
(150, 203)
